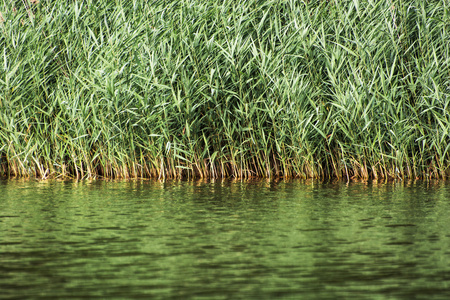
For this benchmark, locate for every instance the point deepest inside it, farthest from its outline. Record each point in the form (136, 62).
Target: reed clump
(212, 89)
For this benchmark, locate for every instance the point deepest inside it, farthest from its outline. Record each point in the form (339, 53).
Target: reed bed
(214, 89)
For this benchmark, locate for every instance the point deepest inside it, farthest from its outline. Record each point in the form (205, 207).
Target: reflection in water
(224, 240)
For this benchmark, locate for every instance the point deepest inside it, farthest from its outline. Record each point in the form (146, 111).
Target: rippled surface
(245, 240)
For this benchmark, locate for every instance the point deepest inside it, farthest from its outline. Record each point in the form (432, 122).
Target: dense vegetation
(356, 88)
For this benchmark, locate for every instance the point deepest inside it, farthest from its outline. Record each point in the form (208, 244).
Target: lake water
(224, 240)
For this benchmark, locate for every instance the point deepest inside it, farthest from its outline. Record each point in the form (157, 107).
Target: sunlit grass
(225, 89)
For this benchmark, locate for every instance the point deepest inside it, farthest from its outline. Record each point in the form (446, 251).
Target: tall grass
(226, 88)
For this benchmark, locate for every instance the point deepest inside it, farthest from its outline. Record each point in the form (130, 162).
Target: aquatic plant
(225, 89)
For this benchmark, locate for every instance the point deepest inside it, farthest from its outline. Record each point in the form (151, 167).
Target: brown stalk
(27, 7)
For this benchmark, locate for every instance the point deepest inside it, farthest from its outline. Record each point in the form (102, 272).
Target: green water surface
(224, 240)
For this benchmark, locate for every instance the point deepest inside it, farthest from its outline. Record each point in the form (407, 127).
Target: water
(224, 240)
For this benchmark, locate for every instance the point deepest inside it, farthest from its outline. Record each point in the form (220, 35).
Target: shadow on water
(224, 240)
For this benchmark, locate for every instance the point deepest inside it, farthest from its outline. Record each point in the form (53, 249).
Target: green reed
(225, 89)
